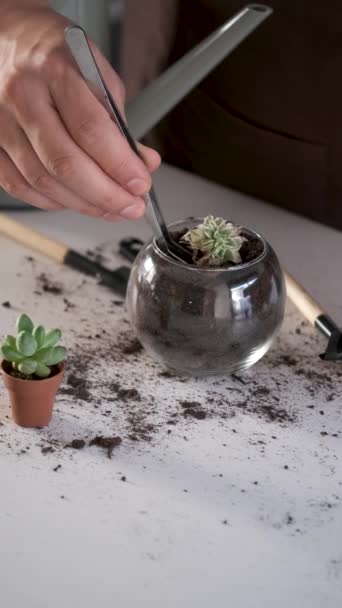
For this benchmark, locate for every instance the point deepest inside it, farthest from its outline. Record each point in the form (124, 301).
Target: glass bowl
(205, 321)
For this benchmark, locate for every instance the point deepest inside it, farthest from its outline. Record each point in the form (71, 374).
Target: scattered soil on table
(167, 374)
(48, 286)
(287, 360)
(68, 305)
(76, 444)
(98, 382)
(107, 443)
(6, 304)
(192, 404)
(48, 449)
(124, 394)
(132, 347)
(77, 384)
(194, 413)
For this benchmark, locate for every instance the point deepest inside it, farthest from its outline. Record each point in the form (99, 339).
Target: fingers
(20, 151)
(94, 131)
(151, 157)
(64, 159)
(15, 185)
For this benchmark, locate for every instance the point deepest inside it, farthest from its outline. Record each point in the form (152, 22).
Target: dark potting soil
(15, 374)
(187, 404)
(47, 449)
(131, 348)
(76, 386)
(107, 443)
(125, 394)
(194, 413)
(48, 286)
(251, 249)
(68, 305)
(6, 304)
(76, 444)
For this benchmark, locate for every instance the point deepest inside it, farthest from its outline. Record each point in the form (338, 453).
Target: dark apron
(268, 120)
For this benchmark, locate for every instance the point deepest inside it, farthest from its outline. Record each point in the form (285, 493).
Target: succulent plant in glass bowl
(217, 315)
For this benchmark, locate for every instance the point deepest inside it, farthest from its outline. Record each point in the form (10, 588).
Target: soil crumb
(76, 387)
(190, 404)
(48, 449)
(107, 443)
(46, 285)
(76, 444)
(194, 413)
(132, 347)
(125, 394)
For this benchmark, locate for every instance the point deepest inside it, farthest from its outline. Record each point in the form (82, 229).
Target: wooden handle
(32, 239)
(302, 299)
(57, 251)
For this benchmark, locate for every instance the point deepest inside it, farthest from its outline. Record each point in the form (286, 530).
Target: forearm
(58, 146)
(13, 4)
(12, 7)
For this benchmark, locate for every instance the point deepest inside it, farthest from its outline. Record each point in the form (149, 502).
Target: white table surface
(226, 540)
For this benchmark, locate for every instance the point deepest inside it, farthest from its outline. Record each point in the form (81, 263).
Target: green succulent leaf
(11, 355)
(26, 343)
(39, 335)
(10, 341)
(51, 338)
(217, 240)
(33, 350)
(27, 367)
(24, 323)
(42, 371)
(51, 356)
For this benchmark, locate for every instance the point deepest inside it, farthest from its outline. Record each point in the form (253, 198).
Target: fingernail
(137, 186)
(133, 212)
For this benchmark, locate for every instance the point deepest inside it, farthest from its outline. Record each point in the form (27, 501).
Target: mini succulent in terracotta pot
(32, 370)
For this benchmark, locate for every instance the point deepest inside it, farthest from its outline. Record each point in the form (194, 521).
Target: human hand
(59, 148)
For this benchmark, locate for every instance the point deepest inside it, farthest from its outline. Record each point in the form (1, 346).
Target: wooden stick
(305, 303)
(57, 251)
(32, 239)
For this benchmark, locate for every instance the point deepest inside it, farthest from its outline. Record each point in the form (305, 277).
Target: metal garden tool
(313, 312)
(161, 96)
(62, 254)
(78, 44)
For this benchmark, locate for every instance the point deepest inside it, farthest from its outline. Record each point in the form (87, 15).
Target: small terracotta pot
(31, 400)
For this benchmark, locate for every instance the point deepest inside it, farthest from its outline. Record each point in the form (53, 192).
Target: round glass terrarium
(201, 320)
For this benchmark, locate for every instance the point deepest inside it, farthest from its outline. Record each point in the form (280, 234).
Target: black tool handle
(115, 279)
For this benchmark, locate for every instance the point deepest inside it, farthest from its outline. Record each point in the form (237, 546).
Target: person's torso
(274, 104)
